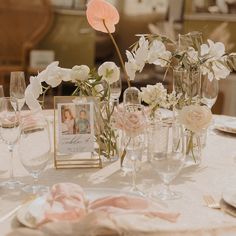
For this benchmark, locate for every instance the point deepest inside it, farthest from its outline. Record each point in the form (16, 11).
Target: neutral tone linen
(216, 172)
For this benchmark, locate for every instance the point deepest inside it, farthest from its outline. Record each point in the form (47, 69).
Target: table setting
(159, 163)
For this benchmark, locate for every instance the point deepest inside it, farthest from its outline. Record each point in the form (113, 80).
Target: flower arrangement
(195, 119)
(132, 121)
(156, 96)
(210, 57)
(102, 16)
(189, 54)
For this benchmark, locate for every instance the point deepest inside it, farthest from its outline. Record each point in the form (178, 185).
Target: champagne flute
(17, 87)
(210, 90)
(9, 133)
(34, 149)
(169, 166)
(115, 89)
(1, 91)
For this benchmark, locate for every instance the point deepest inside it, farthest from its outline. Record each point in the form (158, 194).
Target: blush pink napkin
(69, 198)
(109, 214)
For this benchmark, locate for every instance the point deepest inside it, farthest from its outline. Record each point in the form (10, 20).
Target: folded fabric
(66, 205)
(65, 202)
(130, 204)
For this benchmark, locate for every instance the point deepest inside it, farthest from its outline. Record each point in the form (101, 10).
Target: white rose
(109, 72)
(195, 117)
(154, 95)
(80, 73)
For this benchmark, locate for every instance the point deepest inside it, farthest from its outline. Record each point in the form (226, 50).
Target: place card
(76, 132)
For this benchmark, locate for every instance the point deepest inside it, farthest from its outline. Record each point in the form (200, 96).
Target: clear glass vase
(192, 39)
(109, 136)
(157, 140)
(187, 83)
(132, 149)
(193, 148)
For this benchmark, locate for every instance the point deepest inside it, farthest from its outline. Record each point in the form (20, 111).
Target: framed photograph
(76, 132)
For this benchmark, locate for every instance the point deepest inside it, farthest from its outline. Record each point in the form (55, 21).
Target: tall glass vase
(188, 84)
(108, 138)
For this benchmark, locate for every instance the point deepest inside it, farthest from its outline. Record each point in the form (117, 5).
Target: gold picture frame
(71, 143)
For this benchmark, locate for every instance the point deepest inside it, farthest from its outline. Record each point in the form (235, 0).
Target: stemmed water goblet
(17, 87)
(133, 142)
(34, 149)
(169, 166)
(9, 133)
(210, 90)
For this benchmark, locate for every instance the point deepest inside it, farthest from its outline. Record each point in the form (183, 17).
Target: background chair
(22, 25)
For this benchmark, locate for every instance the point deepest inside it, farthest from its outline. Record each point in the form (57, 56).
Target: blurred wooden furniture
(71, 38)
(22, 25)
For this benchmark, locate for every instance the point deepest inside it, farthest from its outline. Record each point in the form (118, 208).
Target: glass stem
(35, 184)
(11, 173)
(167, 188)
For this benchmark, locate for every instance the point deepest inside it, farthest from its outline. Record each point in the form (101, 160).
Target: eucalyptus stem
(118, 52)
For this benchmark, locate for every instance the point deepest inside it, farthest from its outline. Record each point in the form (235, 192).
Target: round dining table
(215, 174)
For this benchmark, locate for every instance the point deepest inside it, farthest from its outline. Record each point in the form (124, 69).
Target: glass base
(167, 195)
(137, 191)
(189, 161)
(12, 184)
(36, 189)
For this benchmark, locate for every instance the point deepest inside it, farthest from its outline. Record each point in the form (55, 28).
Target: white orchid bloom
(141, 54)
(158, 55)
(66, 74)
(213, 51)
(192, 55)
(217, 71)
(42, 76)
(109, 72)
(36, 86)
(31, 99)
(80, 73)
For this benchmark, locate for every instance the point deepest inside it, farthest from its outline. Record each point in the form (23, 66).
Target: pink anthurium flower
(102, 16)
(100, 13)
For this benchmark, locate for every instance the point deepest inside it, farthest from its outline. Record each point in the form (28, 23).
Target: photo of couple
(75, 119)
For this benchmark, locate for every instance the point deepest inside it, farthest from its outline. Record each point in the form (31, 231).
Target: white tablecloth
(216, 172)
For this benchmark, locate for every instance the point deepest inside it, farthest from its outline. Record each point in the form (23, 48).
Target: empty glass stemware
(169, 166)
(9, 133)
(34, 149)
(210, 90)
(17, 87)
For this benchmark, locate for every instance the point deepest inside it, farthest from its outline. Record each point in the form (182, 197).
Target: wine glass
(169, 166)
(9, 133)
(1, 91)
(17, 87)
(34, 149)
(115, 89)
(133, 142)
(210, 90)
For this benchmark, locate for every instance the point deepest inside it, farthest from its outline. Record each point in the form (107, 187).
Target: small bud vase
(193, 148)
